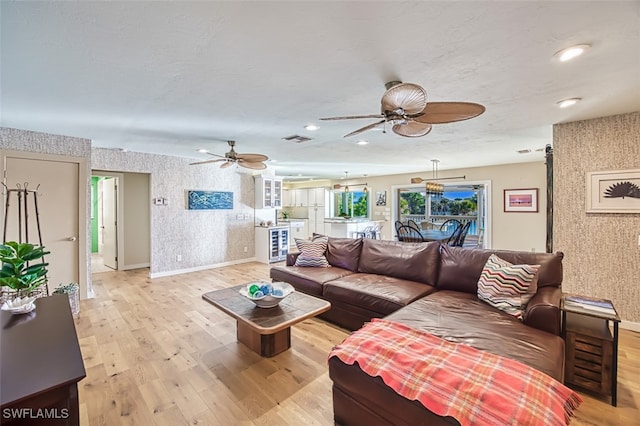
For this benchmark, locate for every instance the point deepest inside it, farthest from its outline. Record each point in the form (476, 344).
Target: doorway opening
(104, 223)
(463, 202)
(120, 221)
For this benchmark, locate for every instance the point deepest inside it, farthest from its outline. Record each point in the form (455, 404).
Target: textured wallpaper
(602, 256)
(201, 238)
(45, 143)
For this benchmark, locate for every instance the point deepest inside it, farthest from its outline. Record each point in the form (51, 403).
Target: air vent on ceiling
(297, 138)
(523, 151)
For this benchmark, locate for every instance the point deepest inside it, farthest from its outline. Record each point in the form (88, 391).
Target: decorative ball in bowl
(266, 295)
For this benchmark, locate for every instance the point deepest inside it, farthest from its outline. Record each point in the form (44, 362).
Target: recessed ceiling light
(571, 52)
(202, 150)
(362, 142)
(311, 127)
(565, 103)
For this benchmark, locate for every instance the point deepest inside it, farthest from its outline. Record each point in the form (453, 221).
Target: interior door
(58, 205)
(109, 228)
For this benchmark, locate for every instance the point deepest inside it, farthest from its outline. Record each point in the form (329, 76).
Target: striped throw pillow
(506, 286)
(312, 252)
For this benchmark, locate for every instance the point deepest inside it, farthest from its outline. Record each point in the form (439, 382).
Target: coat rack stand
(23, 194)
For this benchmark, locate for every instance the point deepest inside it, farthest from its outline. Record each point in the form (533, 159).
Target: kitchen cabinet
(318, 197)
(298, 229)
(316, 220)
(268, 192)
(299, 197)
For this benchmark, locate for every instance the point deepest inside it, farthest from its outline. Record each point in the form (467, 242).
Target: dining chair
(409, 234)
(367, 232)
(414, 225)
(451, 241)
(449, 224)
(375, 233)
(462, 234)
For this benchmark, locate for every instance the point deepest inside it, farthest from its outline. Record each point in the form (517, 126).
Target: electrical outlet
(639, 239)
(179, 258)
(246, 249)
(239, 216)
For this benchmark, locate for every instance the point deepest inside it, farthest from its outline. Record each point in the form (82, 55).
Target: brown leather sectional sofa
(430, 287)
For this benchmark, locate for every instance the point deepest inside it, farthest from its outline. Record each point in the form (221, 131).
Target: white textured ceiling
(171, 77)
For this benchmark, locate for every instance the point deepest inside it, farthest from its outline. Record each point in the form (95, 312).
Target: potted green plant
(71, 290)
(18, 273)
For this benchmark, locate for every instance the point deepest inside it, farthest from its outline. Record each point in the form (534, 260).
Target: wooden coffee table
(266, 331)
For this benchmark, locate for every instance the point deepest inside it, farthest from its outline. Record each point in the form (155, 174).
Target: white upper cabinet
(268, 192)
(318, 197)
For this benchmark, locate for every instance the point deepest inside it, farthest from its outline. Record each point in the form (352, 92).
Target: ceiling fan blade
(215, 155)
(417, 180)
(226, 164)
(412, 129)
(365, 128)
(352, 117)
(207, 161)
(408, 96)
(252, 165)
(254, 158)
(449, 112)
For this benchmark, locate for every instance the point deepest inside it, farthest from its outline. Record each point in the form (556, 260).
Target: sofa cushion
(409, 261)
(312, 252)
(307, 280)
(344, 252)
(460, 268)
(463, 318)
(506, 286)
(377, 293)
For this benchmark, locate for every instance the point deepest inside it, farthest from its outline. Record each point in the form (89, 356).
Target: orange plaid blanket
(450, 379)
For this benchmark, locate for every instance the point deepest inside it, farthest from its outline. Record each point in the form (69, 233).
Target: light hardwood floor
(156, 353)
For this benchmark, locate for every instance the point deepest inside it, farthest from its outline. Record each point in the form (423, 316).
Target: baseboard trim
(135, 266)
(199, 268)
(630, 325)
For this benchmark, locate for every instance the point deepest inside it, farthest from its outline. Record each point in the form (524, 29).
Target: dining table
(435, 235)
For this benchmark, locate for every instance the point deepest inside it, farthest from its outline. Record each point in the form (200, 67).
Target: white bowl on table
(19, 305)
(268, 300)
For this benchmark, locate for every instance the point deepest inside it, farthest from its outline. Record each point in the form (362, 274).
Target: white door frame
(84, 227)
(485, 183)
(119, 212)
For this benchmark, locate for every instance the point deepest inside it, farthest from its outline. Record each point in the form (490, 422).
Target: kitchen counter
(346, 228)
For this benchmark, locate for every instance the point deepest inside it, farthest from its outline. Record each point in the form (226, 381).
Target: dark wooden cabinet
(591, 350)
(41, 365)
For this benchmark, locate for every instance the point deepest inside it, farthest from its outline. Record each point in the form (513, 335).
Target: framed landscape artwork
(521, 200)
(613, 191)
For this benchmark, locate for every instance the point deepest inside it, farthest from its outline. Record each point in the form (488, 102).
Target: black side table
(591, 350)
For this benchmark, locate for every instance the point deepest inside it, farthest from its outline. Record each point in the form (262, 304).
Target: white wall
(203, 238)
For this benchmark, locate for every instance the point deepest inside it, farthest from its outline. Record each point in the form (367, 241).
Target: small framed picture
(381, 198)
(521, 200)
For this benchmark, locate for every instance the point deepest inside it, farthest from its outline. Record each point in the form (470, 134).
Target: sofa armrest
(291, 258)
(543, 310)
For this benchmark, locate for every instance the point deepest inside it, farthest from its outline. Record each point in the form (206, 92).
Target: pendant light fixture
(346, 185)
(432, 187)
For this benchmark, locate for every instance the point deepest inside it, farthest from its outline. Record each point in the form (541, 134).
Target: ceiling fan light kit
(404, 106)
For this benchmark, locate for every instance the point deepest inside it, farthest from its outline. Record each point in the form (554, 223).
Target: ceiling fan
(250, 161)
(405, 108)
